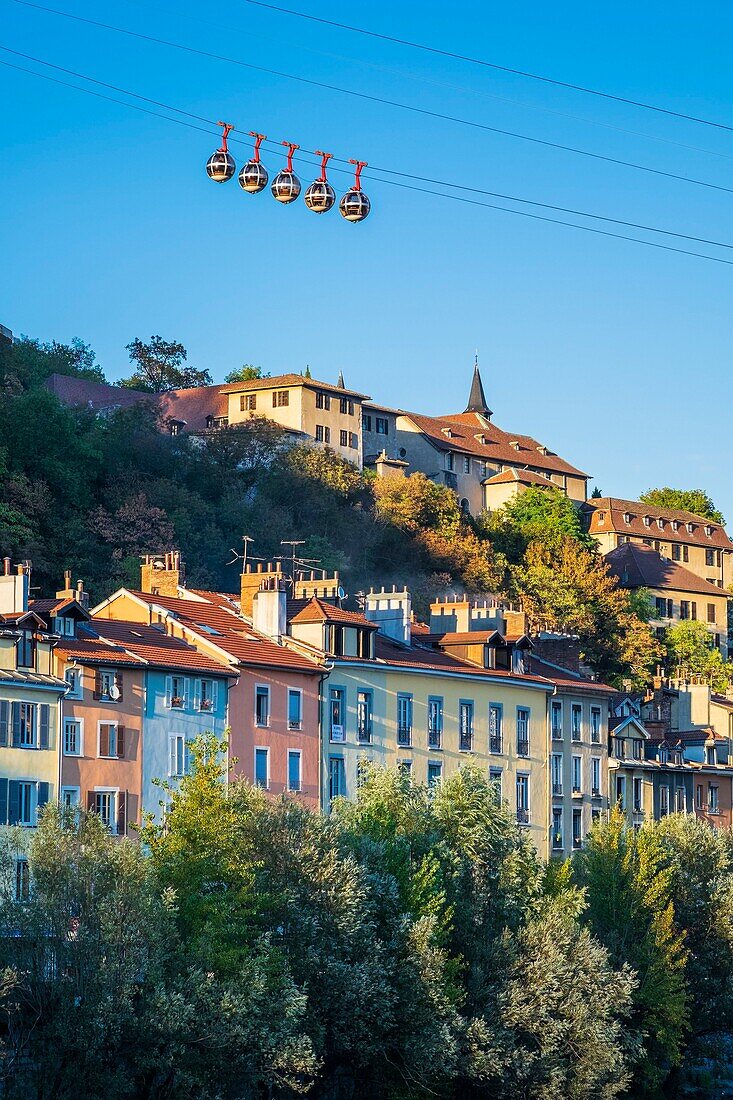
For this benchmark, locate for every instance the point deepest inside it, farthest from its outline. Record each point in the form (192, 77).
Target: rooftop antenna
(236, 556)
(292, 543)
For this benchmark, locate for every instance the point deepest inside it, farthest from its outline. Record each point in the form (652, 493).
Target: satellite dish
(341, 593)
(114, 692)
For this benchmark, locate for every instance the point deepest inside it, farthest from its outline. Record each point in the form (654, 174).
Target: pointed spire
(477, 398)
(341, 384)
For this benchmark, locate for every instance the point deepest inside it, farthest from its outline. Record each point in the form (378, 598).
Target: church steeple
(477, 398)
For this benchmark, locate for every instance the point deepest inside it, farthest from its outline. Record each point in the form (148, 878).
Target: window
(103, 804)
(556, 720)
(366, 422)
(684, 609)
(262, 705)
(557, 828)
(72, 737)
(556, 770)
(523, 799)
(336, 778)
(294, 783)
(711, 612)
(20, 800)
(176, 691)
(713, 801)
(206, 695)
(381, 425)
(663, 755)
(346, 406)
(336, 715)
(108, 686)
(638, 795)
(710, 755)
(404, 719)
(435, 722)
(636, 748)
(22, 879)
(353, 441)
(326, 434)
(404, 767)
(619, 748)
(295, 709)
(466, 464)
(450, 461)
(663, 801)
(576, 721)
(248, 402)
(262, 768)
(577, 765)
(280, 398)
(595, 776)
(24, 718)
(74, 683)
(70, 797)
(522, 731)
(64, 625)
(364, 717)
(435, 772)
(577, 828)
(25, 803)
(709, 557)
(676, 555)
(685, 553)
(496, 782)
(698, 796)
(679, 800)
(323, 400)
(26, 649)
(621, 791)
(179, 759)
(343, 438)
(319, 433)
(465, 725)
(595, 725)
(495, 727)
(111, 740)
(665, 608)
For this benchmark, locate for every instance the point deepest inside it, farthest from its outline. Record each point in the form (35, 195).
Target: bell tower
(477, 398)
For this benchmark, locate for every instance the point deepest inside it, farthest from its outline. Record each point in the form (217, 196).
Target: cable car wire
(494, 65)
(391, 183)
(376, 168)
(379, 99)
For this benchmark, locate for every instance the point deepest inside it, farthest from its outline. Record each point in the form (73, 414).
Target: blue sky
(617, 356)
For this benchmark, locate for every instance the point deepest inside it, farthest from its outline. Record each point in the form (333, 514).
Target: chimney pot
(6, 566)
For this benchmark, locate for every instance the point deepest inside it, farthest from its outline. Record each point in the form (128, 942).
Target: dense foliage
(686, 500)
(409, 945)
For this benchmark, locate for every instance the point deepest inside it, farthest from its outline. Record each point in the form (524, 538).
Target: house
(677, 593)
(467, 452)
(100, 398)
(30, 710)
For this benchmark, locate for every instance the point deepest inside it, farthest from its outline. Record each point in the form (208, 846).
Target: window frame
(260, 749)
(79, 723)
(295, 693)
(262, 691)
(292, 755)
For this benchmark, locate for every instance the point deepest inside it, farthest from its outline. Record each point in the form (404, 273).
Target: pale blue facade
(178, 709)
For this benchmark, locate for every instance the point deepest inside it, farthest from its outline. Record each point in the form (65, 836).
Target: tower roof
(477, 398)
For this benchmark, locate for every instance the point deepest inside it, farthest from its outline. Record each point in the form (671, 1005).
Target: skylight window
(209, 630)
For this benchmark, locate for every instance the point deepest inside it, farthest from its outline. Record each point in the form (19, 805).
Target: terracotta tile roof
(614, 509)
(567, 679)
(280, 381)
(419, 657)
(49, 607)
(319, 611)
(87, 648)
(158, 649)
(193, 406)
(721, 700)
(467, 637)
(219, 624)
(523, 477)
(81, 392)
(641, 567)
(499, 446)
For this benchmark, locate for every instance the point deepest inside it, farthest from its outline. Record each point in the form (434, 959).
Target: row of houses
(99, 704)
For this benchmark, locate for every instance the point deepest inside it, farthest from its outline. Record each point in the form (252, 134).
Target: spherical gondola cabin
(355, 205)
(220, 166)
(286, 185)
(253, 175)
(319, 195)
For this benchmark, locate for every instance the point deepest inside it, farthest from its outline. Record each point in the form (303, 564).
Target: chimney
(251, 582)
(269, 607)
(450, 615)
(162, 575)
(391, 612)
(390, 467)
(14, 588)
(325, 587)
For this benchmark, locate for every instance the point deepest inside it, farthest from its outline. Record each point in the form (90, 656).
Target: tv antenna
(245, 556)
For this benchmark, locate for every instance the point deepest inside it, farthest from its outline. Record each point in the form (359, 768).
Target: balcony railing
(575, 735)
(523, 747)
(495, 743)
(465, 741)
(596, 792)
(577, 842)
(557, 789)
(522, 816)
(577, 788)
(364, 734)
(434, 738)
(557, 733)
(557, 840)
(404, 735)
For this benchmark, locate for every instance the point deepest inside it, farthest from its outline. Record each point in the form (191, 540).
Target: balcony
(577, 792)
(557, 733)
(557, 790)
(364, 735)
(495, 744)
(434, 739)
(523, 747)
(596, 792)
(465, 742)
(404, 736)
(522, 816)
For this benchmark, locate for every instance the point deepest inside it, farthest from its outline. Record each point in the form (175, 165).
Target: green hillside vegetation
(93, 494)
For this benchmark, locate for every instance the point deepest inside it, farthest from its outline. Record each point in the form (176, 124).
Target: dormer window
(660, 523)
(690, 528)
(627, 517)
(675, 525)
(542, 449)
(601, 517)
(64, 625)
(514, 444)
(664, 755)
(708, 531)
(647, 521)
(26, 650)
(447, 433)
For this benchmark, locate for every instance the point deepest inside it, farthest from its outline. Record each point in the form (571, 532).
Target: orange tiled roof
(283, 380)
(614, 509)
(567, 679)
(159, 649)
(318, 611)
(524, 477)
(193, 406)
(641, 567)
(84, 393)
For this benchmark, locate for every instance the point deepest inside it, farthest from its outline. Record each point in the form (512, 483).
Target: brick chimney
(252, 580)
(73, 592)
(161, 575)
(325, 587)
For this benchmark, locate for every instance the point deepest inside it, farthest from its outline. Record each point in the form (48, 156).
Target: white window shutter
(168, 690)
(197, 695)
(171, 756)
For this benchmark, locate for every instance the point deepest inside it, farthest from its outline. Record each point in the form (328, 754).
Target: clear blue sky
(615, 355)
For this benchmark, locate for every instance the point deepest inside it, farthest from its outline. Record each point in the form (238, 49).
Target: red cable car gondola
(355, 205)
(253, 175)
(286, 185)
(220, 166)
(320, 196)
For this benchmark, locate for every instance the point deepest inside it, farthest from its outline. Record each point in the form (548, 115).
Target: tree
(159, 366)
(696, 501)
(629, 890)
(690, 646)
(246, 373)
(27, 364)
(537, 514)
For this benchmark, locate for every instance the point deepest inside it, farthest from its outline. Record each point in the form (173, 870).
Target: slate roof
(641, 567)
(84, 393)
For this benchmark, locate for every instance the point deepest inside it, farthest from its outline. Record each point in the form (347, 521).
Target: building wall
(89, 771)
(587, 749)
(717, 629)
(719, 574)
(703, 780)
(387, 684)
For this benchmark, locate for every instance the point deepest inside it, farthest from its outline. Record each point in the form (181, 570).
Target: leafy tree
(629, 890)
(26, 363)
(686, 500)
(160, 366)
(596, 494)
(537, 514)
(246, 373)
(690, 646)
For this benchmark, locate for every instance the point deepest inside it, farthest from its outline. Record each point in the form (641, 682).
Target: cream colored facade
(325, 414)
(432, 750)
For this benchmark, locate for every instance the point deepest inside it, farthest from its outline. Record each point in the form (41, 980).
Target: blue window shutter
(42, 795)
(16, 725)
(43, 712)
(13, 802)
(4, 721)
(3, 801)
